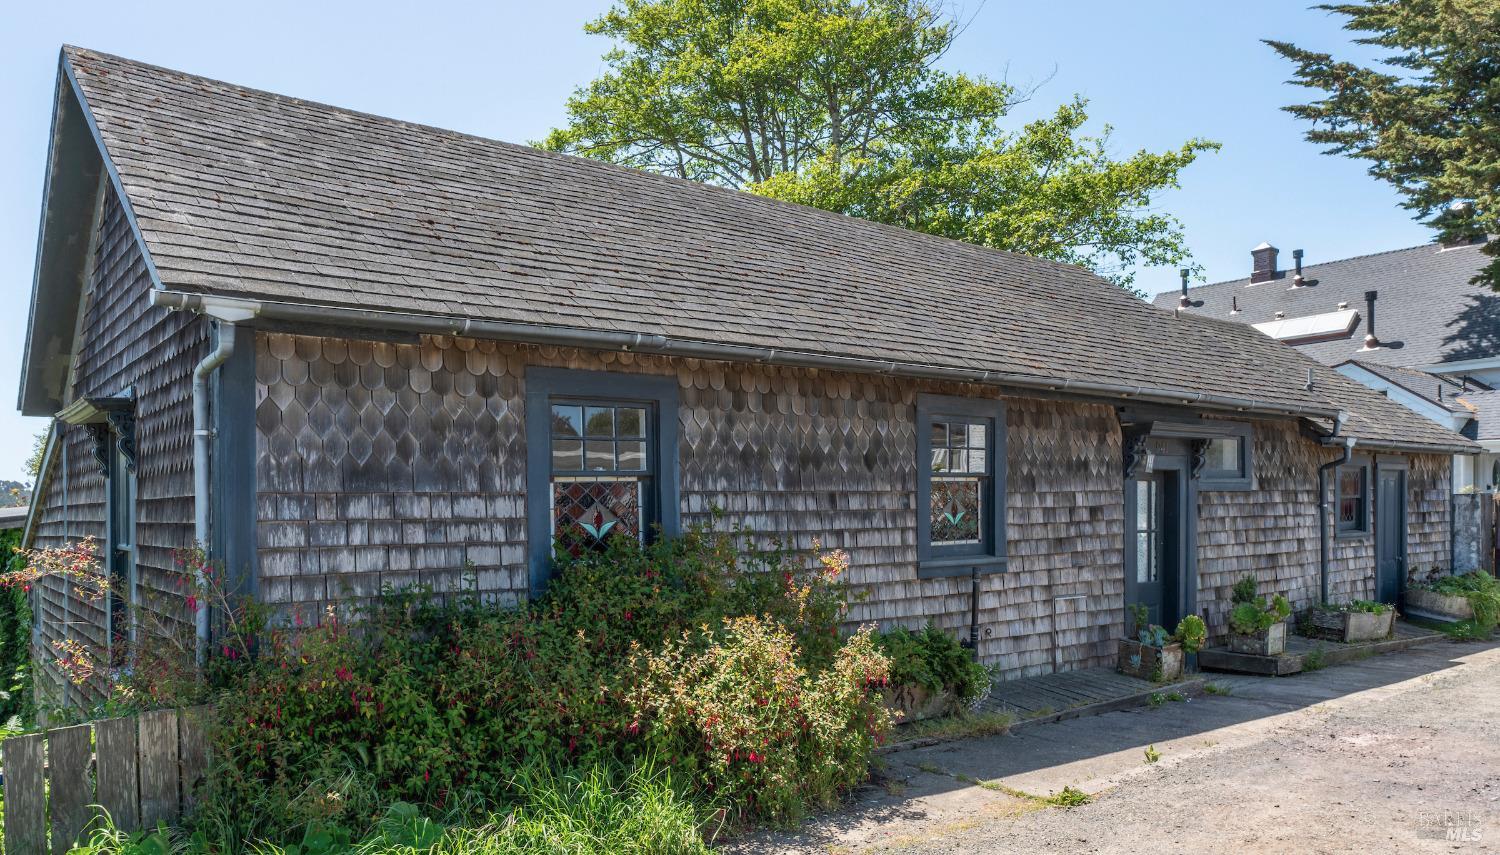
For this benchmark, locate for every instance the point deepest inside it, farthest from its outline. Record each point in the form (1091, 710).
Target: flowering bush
(755, 729)
(156, 666)
(442, 704)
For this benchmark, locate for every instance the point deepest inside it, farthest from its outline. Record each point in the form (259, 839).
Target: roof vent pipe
(1234, 305)
(1297, 262)
(1264, 269)
(1183, 301)
(1371, 341)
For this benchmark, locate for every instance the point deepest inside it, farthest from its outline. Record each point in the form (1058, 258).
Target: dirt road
(1397, 753)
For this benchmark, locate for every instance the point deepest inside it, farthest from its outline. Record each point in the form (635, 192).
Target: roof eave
(76, 160)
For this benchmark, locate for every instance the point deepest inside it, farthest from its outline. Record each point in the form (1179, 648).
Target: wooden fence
(142, 770)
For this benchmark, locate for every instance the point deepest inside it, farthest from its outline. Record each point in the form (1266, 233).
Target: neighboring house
(1408, 323)
(12, 518)
(420, 354)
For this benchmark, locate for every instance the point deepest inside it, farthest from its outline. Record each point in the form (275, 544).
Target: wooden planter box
(1271, 642)
(1159, 664)
(1351, 626)
(915, 703)
(1435, 606)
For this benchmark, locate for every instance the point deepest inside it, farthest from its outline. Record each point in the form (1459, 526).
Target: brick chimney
(1265, 263)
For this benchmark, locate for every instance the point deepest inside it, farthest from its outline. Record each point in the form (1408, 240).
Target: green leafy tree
(1428, 122)
(839, 104)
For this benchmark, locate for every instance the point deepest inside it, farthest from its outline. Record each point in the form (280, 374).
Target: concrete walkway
(1394, 753)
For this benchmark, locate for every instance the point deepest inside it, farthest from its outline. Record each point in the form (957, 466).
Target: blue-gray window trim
(1210, 479)
(990, 557)
(1365, 528)
(543, 384)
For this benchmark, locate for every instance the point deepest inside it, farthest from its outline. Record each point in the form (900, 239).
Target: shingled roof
(1433, 388)
(1427, 311)
(1375, 419)
(241, 193)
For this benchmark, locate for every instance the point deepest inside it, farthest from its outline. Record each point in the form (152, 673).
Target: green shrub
(444, 705)
(1244, 591)
(934, 660)
(1191, 633)
(1481, 590)
(16, 704)
(1254, 617)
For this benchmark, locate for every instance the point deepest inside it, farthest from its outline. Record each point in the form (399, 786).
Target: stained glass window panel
(586, 515)
(956, 511)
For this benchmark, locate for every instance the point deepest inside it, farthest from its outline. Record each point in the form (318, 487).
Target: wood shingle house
(346, 352)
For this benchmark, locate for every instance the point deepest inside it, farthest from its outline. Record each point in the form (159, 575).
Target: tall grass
(601, 810)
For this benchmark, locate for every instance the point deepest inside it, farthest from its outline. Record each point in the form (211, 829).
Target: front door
(1154, 545)
(1390, 534)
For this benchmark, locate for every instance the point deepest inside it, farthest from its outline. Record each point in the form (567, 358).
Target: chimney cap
(1263, 245)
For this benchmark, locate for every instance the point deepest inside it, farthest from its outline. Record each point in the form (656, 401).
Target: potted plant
(1154, 654)
(1255, 626)
(1360, 620)
(932, 675)
(1468, 597)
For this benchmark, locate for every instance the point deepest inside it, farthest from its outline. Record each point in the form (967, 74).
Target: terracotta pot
(1268, 642)
(1158, 664)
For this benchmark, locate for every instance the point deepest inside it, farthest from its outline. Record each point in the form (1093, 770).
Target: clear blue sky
(1159, 72)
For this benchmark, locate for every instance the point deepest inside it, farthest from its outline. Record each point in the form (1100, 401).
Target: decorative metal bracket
(1138, 456)
(107, 420)
(122, 421)
(1200, 456)
(100, 433)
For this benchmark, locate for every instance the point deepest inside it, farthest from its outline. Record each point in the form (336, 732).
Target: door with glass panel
(1153, 545)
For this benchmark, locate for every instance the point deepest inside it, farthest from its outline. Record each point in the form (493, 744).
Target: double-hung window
(601, 472)
(960, 485)
(601, 462)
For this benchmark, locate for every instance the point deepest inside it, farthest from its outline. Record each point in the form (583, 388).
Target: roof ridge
(1192, 288)
(68, 50)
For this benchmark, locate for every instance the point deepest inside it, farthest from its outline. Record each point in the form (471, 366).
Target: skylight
(1309, 327)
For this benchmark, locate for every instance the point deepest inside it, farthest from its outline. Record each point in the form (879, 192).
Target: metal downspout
(202, 447)
(1325, 548)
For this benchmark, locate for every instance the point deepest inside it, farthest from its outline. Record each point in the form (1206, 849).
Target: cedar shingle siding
(124, 343)
(400, 464)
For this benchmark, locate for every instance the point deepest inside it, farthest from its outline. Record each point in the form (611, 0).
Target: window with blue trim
(960, 485)
(601, 462)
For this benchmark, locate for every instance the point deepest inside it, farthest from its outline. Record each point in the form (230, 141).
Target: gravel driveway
(1398, 753)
